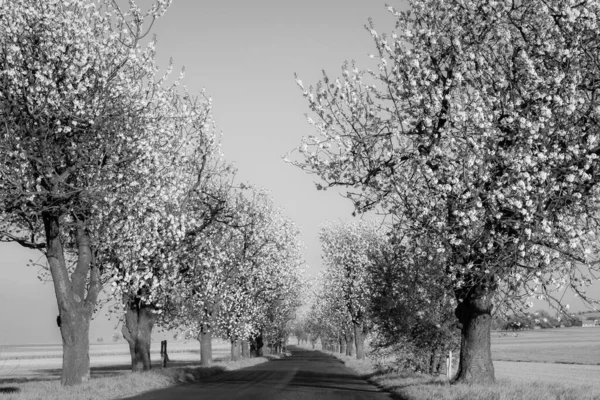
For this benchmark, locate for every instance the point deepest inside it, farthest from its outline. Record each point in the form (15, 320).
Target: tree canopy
(478, 130)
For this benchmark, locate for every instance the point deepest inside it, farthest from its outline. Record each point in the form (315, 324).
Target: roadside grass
(121, 385)
(414, 386)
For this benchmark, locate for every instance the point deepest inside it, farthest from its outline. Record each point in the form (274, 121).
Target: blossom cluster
(478, 129)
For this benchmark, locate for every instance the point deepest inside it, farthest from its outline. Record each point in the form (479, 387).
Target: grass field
(29, 362)
(33, 372)
(563, 345)
(515, 381)
(118, 385)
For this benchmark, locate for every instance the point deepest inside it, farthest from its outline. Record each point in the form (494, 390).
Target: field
(37, 362)
(563, 345)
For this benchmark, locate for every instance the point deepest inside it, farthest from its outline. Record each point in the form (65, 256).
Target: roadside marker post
(449, 365)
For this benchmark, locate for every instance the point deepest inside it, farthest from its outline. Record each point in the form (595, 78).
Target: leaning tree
(75, 90)
(478, 129)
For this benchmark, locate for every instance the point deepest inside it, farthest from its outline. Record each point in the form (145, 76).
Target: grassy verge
(413, 386)
(122, 385)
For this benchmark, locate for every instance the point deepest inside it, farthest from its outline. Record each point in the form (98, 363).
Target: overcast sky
(245, 53)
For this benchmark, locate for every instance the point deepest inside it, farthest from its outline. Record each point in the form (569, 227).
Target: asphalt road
(305, 375)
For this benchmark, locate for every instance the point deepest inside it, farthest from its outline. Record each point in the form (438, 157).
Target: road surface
(305, 374)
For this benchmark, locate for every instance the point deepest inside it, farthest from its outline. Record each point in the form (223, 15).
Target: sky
(244, 53)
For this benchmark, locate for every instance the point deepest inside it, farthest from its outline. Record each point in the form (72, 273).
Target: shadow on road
(305, 375)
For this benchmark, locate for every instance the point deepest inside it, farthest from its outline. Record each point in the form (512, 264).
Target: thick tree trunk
(342, 345)
(259, 345)
(205, 338)
(76, 349)
(359, 341)
(245, 349)
(75, 306)
(236, 349)
(137, 330)
(349, 344)
(474, 314)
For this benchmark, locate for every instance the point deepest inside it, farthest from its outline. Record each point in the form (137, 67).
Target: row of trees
(476, 133)
(373, 286)
(117, 177)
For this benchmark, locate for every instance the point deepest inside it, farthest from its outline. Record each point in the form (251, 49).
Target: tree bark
(258, 346)
(76, 349)
(245, 349)
(75, 306)
(342, 345)
(474, 314)
(137, 330)
(205, 338)
(236, 348)
(432, 361)
(349, 344)
(359, 341)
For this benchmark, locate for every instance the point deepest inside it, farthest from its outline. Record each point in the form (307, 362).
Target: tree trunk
(342, 345)
(259, 345)
(75, 306)
(137, 330)
(75, 332)
(432, 359)
(474, 314)
(245, 349)
(438, 366)
(205, 338)
(236, 349)
(359, 340)
(349, 345)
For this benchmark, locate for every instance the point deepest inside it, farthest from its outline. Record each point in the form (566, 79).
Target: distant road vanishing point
(305, 374)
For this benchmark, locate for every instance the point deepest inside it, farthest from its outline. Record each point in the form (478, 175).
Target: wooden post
(164, 357)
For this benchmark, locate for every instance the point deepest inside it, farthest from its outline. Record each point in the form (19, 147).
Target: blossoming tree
(348, 250)
(74, 89)
(412, 304)
(235, 271)
(478, 129)
(330, 313)
(197, 181)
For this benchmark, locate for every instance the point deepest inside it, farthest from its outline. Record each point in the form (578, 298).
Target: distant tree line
(541, 319)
